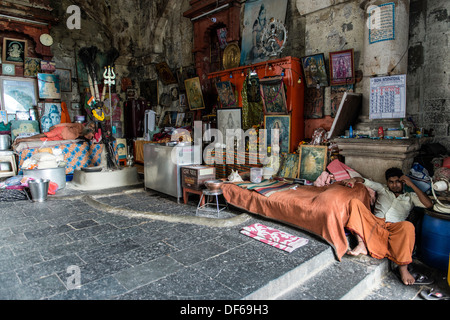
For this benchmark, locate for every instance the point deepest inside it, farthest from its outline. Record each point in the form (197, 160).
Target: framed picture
(313, 161)
(257, 16)
(50, 116)
(65, 79)
(229, 119)
(8, 69)
(342, 67)
(226, 94)
(273, 95)
(189, 119)
(14, 51)
(32, 67)
(281, 125)
(18, 94)
(49, 66)
(49, 86)
(165, 74)
(194, 93)
(315, 71)
(289, 166)
(314, 103)
(180, 119)
(24, 128)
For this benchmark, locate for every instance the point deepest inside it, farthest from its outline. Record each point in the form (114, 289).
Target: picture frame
(20, 92)
(283, 123)
(229, 118)
(273, 95)
(180, 119)
(342, 70)
(8, 69)
(226, 94)
(194, 93)
(65, 79)
(165, 74)
(49, 86)
(32, 67)
(14, 51)
(313, 161)
(50, 116)
(189, 119)
(289, 166)
(24, 128)
(48, 66)
(315, 71)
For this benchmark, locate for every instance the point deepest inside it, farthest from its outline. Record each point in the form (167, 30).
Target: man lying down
(385, 233)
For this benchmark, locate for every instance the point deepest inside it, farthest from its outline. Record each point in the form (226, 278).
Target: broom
(85, 57)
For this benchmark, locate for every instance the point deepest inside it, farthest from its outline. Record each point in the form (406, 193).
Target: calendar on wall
(388, 97)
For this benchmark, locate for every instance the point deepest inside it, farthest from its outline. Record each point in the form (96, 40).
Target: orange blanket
(323, 211)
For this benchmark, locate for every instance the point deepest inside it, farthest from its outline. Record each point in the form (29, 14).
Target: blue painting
(49, 86)
(282, 130)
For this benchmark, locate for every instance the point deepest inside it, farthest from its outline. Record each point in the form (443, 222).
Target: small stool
(211, 206)
(186, 192)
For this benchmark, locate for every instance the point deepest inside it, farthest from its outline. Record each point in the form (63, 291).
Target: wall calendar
(388, 97)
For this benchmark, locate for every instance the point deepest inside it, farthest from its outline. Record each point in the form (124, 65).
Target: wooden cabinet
(291, 68)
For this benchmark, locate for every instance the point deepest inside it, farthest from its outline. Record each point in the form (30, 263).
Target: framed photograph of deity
(281, 125)
(14, 51)
(194, 93)
(342, 70)
(49, 86)
(315, 71)
(65, 79)
(226, 94)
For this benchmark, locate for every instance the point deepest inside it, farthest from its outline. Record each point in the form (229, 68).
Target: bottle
(351, 132)
(380, 132)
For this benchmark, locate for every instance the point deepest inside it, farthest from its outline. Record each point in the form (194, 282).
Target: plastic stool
(211, 206)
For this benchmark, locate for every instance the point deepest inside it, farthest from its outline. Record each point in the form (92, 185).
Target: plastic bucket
(435, 244)
(39, 189)
(256, 175)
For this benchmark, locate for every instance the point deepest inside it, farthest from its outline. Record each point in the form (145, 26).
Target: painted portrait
(32, 67)
(315, 70)
(257, 16)
(51, 116)
(49, 86)
(313, 161)
(14, 51)
(24, 128)
(341, 67)
(273, 95)
(282, 123)
(229, 119)
(226, 94)
(194, 93)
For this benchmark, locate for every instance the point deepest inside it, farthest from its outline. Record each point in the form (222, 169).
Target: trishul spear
(110, 79)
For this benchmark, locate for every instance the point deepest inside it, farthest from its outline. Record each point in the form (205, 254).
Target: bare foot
(359, 249)
(407, 278)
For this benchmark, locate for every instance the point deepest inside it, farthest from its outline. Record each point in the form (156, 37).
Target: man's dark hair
(393, 172)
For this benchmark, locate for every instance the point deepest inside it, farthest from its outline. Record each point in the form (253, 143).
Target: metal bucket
(56, 175)
(39, 189)
(5, 142)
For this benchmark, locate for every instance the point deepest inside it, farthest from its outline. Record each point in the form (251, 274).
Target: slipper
(420, 279)
(432, 295)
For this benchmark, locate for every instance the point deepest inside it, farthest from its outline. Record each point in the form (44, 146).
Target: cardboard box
(195, 176)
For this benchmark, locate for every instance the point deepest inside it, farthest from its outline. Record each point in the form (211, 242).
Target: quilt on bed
(323, 211)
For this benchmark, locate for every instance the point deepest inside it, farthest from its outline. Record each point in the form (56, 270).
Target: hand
(349, 182)
(406, 180)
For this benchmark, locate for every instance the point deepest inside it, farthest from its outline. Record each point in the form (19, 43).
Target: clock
(46, 39)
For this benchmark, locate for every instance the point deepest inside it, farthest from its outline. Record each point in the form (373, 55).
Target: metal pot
(5, 166)
(213, 185)
(5, 142)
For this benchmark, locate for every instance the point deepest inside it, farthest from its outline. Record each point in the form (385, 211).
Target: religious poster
(257, 16)
(49, 87)
(32, 67)
(315, 70)
(314, 103)
(14, 51)
(388, 97)
(381, 22)
(341, 67)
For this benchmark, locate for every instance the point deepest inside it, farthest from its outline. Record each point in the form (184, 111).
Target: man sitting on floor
(63, 131)
(386, 233)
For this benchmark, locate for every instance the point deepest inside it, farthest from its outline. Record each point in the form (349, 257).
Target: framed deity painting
(18, 94)
(226, 94)
(273, 95)
(278, 132)
(65, 79)
(342, 67)
(14, 51)
(315, 71)
(230, 118)
(194, 93)
(49, 86)
(313, 161)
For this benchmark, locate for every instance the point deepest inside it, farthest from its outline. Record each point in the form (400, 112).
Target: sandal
(433, 295)
(420, 279)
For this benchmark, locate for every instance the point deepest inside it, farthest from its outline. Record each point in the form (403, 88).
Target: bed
(322, 211)
(77, 153)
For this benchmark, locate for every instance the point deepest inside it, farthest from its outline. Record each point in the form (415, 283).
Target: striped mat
(266, 187)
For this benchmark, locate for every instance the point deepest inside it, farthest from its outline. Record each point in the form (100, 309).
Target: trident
(110, 79)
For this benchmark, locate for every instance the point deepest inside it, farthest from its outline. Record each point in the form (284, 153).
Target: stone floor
(136, 244)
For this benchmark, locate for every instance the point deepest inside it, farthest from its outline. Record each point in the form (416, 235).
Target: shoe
(433, 295)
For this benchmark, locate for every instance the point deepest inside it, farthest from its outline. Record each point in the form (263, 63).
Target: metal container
(5, 166)
(56, 175)
(39, 189)
(214, 185)
(5, 142)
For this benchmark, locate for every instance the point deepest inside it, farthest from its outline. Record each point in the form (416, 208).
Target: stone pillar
(383, 58)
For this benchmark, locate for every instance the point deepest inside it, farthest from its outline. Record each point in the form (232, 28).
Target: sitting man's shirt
(389, 207)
